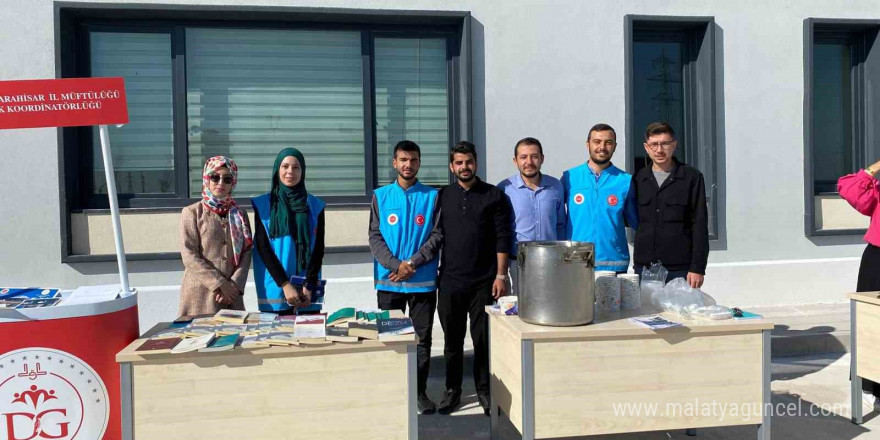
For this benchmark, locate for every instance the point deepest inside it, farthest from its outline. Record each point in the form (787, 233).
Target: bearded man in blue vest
(405, 239)
(601, 202)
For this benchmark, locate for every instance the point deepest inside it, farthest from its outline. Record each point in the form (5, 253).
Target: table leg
(528, 390)
(412, 397)
(127, 400)
(493, 403)
(494, 414)
(855, 381)
(766, 404)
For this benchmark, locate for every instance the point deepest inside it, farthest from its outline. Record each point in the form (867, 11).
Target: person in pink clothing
(862, 191)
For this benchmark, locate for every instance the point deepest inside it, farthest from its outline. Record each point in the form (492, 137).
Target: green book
(373, 316)
(222, 343)
(345, 313)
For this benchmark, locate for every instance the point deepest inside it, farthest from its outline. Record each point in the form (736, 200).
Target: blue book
(742, 314)
(28, 293)
(395, 329)
(317, 295)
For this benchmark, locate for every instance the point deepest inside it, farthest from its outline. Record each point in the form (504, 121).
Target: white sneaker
(871, 401)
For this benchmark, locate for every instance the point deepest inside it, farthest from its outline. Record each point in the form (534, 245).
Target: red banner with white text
(62, 102)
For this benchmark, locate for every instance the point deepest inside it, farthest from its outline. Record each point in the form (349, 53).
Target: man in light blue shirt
(537, 199)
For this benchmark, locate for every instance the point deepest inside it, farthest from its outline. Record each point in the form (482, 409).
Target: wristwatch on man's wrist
(501, 277)
(410, 263)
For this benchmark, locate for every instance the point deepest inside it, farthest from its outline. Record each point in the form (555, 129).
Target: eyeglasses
(227, 179)
(737, 313)
(665, 144)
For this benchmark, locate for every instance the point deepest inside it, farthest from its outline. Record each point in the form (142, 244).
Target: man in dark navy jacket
(673, 216)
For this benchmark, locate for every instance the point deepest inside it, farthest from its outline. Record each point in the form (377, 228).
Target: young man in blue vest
(405, 239)
(600, 201)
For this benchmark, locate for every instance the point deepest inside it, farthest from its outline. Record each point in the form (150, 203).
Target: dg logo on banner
(50, 394)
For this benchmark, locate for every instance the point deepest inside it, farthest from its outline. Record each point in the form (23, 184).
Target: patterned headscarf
(242, 239)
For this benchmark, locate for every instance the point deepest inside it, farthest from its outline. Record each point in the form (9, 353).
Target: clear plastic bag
(647, 289)
(713, 313)
(655, 273)
(677, 296)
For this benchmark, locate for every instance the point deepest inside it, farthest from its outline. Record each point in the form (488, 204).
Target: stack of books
(228, 329)
(231, 316)
(311, 329)
(396, 329)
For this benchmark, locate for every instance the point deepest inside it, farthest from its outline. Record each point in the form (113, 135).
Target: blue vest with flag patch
(596, 213)
(270, 297)
(405, 221)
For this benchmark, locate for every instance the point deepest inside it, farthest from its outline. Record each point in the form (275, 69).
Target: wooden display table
(864, 361)
(575, 381)
(364, 390)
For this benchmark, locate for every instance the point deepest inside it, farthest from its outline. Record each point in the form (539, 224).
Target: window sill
(168, 209)
(105, 258)
(837, 232)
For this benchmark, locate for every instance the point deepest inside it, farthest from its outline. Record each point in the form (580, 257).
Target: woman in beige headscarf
(215, 244)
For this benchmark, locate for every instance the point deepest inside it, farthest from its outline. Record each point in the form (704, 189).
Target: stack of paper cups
(630, 295)
(607, 292)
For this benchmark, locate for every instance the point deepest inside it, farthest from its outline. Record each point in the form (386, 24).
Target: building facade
(772, 102)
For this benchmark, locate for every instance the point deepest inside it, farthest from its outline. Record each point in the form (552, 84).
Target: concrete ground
(813, 383)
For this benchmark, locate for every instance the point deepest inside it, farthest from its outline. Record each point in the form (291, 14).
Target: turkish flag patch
(420, 220)
(612, 200)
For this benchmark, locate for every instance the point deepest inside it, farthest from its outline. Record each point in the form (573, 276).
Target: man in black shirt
(673, 217)
(475, 223)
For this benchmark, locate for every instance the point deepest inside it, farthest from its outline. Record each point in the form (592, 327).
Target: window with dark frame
(840, 135)
(671, 70)
(661, 60)
(343, 95)
(836, 107)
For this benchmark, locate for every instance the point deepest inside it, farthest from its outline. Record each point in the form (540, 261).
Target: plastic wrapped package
(630, 293)
(608, 293)
(508, 304)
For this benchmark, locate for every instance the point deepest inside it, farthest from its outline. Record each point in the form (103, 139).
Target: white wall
(548, 69)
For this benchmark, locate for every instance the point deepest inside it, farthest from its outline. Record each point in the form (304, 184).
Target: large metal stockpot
(556, 283)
